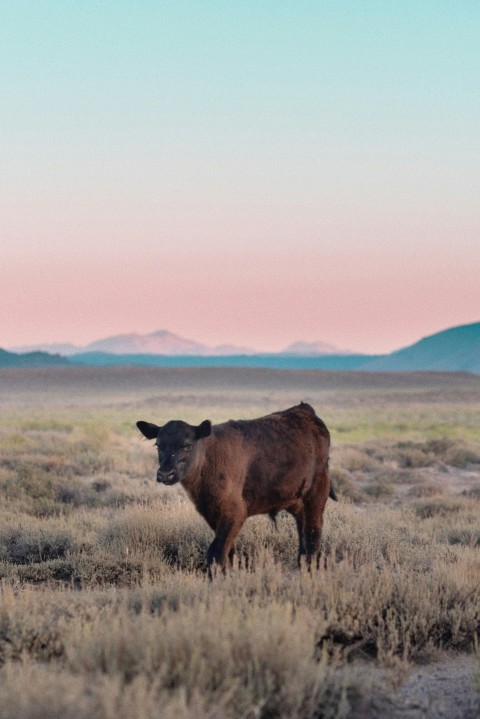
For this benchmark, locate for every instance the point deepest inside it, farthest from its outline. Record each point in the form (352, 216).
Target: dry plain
(105, 607)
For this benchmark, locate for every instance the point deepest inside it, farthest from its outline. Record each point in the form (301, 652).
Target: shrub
(378, 489)
(24, 546)
(425, 489)
(472, 492)
(461, 456)
(413, 456)
(356, 459)
(441, 506)
(425, 454)
(466, 536)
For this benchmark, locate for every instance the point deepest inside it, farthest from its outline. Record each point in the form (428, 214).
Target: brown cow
(235, 470)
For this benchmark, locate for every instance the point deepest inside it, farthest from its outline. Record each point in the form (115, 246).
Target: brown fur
(238, 469)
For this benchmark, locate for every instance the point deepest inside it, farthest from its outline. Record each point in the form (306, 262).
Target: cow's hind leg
(313, 515)
(297, 513)
(313, 536)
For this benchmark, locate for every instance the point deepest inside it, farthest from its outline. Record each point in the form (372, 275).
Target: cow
(242, 468)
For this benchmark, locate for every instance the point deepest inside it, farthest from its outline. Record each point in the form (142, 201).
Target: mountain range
(164, 342)
(455, 349)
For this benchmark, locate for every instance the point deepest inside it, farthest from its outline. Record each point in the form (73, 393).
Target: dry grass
(105, 609)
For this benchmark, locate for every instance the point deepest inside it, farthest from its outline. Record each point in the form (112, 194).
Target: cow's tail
(332, 494)
(331, 491)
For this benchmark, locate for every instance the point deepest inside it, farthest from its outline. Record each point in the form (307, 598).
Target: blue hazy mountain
(456, 349)
(31, 359)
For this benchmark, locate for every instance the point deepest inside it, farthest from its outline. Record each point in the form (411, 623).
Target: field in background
(105, 608)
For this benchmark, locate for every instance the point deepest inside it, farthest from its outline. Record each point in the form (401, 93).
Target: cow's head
(176, 443)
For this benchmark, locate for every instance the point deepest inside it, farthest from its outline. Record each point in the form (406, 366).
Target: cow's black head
(176, 442)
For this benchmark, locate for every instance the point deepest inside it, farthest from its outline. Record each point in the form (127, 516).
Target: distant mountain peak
(161, 333)
(159, 342)
(313, 348)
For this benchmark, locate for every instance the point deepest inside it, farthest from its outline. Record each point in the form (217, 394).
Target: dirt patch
(447, 689)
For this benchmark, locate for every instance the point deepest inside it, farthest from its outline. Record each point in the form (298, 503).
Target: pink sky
(239, 173)
(370, 296)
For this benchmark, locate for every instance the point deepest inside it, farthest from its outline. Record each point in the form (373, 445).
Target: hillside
(31, 359)
(268, 361)
(455, 350)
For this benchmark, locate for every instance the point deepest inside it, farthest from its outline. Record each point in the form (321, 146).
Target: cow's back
(271, 427)
(277, 458)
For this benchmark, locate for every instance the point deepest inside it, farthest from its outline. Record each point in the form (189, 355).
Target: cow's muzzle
(169, 477)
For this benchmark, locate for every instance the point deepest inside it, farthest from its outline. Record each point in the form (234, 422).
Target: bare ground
(446, 689)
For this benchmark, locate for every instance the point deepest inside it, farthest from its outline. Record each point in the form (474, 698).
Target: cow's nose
(166, 477)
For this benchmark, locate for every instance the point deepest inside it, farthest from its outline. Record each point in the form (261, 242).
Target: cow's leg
(298, 514)
(222, 546)
(313, 513)
(313, 536)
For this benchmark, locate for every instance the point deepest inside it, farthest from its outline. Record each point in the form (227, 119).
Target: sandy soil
(446, 689)
(452, 481)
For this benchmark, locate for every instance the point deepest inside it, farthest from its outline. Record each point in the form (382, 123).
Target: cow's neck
(192, 482)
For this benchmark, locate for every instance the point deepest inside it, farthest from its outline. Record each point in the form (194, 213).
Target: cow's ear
(148, 429)
(203, 430)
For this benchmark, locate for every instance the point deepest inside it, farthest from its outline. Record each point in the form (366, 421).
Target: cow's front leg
(222, 546)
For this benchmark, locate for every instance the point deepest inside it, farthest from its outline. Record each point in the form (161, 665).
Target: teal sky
(247, 172)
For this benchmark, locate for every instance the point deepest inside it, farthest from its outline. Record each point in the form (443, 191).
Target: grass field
(106, 610)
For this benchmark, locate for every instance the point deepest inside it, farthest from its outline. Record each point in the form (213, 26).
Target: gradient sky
(248, 172)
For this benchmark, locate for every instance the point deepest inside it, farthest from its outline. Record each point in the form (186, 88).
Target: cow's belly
(263, 494)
